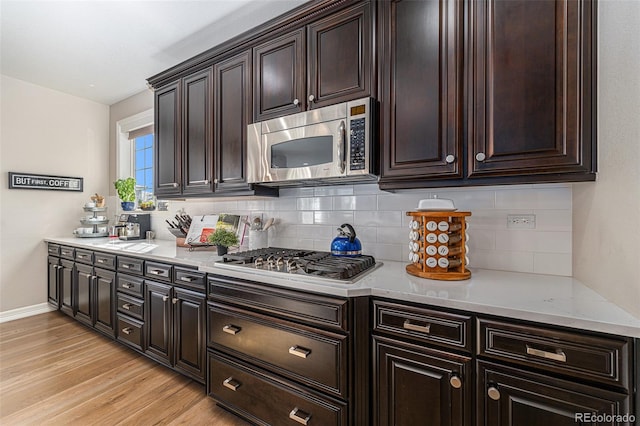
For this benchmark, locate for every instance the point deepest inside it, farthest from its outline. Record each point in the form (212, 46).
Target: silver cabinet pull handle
(101, 261)
(127, 306)
(299, 351)
(450, 159)
(231, 329)
(455, 382)
(127, 285)
(493, 393)
(300, 416)
(312, 98)
(296, 101)
(480, 156)
(174, 184)
(231, 383)
(156, 271)
(127, 330)
(187, 279)
(126, 266)
(175, 300)
(558, 355)
(165, 298)
(415, 327)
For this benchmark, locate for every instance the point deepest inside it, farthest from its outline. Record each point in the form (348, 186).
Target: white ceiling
(104, 50)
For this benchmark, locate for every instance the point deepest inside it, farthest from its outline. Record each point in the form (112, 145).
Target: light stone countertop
(547, 299)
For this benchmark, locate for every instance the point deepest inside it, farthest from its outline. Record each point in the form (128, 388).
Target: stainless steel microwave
(329, 145)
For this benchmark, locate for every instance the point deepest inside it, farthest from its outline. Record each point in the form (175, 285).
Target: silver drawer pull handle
(415, 327)
(156, 271)
(558, 355)
(127, 285)
(127, 306)
(300, 416)
(299, 351)
(175, 300)
(101, 261)
(127, 330)
(165, 297)
(188, 279)
(126, 266)
(232, 384)
(231, 329)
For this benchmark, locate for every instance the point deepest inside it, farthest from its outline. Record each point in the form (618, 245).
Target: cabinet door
(417, 386)
(53, 278)
(508, 396)
(84, 283)
(232, 112)
(339, 57)
(158, 320)
(67, 298)
(531, 87)
(167, 153)
(197, 138)
(279, 76)
(104, 301)
(421, 69)
(189, 336)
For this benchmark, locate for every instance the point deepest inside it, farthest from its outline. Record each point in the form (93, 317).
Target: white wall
(44, 132)
(606, 224)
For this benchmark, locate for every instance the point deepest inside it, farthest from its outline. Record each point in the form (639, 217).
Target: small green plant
(223, 237)
(126, 189)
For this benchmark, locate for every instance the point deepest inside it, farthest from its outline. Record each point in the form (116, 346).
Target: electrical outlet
(521, 221)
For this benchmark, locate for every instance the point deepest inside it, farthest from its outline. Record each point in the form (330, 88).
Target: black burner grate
(314, 263)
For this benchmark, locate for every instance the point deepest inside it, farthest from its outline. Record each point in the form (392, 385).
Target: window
(135, 144)
(143, 163)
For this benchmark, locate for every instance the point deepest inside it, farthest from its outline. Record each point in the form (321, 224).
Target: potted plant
(126, 192)
(223, 239)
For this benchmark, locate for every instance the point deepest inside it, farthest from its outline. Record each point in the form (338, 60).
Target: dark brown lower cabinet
(83, 283)
(415, 385)
(53, 279)
(95, 295)
(513, 397)
(67, 297)
(175, 320)
(265, 399)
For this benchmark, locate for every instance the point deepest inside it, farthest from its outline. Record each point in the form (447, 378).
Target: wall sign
(31, 181)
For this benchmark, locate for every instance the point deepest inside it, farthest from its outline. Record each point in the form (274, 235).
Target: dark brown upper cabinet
(184, 136)
(327, 62)
(421, 80)
(532, 88)
(279, 76)
(232, 115)
(168, 146)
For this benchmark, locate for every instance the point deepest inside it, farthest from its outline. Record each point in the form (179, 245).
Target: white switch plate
(521, 221)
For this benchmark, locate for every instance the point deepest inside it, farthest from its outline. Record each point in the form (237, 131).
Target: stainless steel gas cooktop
(308, 264)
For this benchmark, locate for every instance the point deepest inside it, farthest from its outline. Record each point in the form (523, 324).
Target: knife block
(437, 245)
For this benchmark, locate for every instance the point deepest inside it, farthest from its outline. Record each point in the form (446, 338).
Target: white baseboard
(27, 311)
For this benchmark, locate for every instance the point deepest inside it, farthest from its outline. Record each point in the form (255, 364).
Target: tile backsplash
(308, 218)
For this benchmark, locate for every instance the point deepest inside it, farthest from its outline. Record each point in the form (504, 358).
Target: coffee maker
(133, 226)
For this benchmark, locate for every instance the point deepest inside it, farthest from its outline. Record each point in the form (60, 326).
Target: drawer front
(254, 394)
(600, 359)
(130, 285)
(158, 271)
(130, 265)
(84, 256)
(67, 252)
(130, 306)
(104, 260)
(424, 325)
(189, 278)
(130, 331)
(315, 357)
(320, 310)
(53, 249)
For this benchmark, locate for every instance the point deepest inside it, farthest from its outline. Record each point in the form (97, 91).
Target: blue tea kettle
(346, 244)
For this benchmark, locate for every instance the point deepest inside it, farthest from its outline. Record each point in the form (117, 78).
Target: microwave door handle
(342, 151)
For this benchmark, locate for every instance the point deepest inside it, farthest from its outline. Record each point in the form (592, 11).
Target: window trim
(125, 150)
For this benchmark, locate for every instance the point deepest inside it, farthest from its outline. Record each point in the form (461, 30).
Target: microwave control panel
(357, 144)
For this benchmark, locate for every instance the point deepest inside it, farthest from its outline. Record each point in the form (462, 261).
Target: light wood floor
(54, 371)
